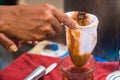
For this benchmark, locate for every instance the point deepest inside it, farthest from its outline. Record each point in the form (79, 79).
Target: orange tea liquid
(77, 74)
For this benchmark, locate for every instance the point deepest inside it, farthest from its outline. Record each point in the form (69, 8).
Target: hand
(34, 22)
(21, 42)
(12, 44)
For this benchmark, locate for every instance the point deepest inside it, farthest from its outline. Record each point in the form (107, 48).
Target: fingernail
(13, 48)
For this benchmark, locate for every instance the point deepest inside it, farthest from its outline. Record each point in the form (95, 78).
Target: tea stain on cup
(78, 57)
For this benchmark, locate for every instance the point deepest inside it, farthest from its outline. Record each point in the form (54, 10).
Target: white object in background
(114, 76)
(50, 68)
(88, 34)
(41, 49)
(40, 71)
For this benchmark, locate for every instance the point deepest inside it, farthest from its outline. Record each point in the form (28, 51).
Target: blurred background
(107, 11)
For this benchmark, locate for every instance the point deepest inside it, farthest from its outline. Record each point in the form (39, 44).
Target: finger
(7, 43)
(49, 32)
(29, 42)
(20, 43)
(34, 42)
(56, 24)
(63, 18)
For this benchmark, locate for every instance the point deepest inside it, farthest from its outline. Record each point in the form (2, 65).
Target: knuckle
(48, 28)
(49, 6)
(37, 37)
(49, 17)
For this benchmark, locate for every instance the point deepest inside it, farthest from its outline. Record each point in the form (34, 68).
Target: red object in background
(103, 69)
(26, 63)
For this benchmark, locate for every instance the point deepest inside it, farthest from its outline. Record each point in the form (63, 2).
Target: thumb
(7, 43)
